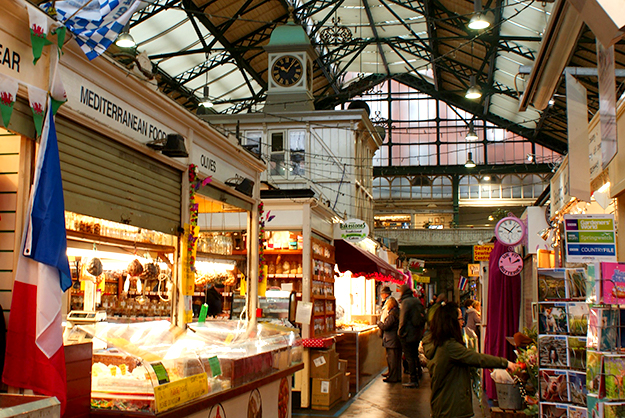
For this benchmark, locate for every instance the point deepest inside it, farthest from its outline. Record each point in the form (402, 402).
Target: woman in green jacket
(450, 362)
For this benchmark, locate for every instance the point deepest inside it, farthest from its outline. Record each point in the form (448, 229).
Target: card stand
(577, 324)
(551, 288)
(614, 386)
(577, 391)
(610, 292)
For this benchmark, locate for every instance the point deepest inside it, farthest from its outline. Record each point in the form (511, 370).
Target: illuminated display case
(145, 367)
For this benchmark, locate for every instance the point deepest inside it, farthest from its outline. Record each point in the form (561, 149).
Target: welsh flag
(38, 99)
(38, 31)
(8, 93)
(35, 358)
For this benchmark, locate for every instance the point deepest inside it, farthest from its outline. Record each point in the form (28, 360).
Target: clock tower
(289, 81)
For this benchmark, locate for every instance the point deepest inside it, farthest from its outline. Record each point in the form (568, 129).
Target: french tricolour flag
(34, 355)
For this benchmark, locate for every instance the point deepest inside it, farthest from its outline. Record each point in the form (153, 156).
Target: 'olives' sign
(354, 230)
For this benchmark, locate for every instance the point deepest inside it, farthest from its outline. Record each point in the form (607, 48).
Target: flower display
(527, 376)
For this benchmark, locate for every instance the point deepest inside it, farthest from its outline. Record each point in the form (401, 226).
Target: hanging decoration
(8, 94)
(58, 94)
(380, 277)
(262, 221)
(38, 31)
(336, 34)
(194, 184)
(37, 98)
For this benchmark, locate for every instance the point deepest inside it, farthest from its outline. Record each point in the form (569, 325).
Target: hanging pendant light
(479, 20)
(125, 39)
(206, 101)
(470, 163)
(471, 135)
(473, 92)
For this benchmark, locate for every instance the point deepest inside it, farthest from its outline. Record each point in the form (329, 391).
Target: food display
(140, 357)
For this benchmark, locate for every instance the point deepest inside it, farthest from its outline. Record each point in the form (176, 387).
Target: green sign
(215, 366)
(598, 237)
(161, 372)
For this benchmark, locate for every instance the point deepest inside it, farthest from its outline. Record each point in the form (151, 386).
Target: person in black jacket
(411, 325)
(214, 299)
(388, 324)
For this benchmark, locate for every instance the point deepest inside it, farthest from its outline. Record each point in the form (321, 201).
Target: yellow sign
(171, 395)
(482, 252)
(421, 279)
(474, 270)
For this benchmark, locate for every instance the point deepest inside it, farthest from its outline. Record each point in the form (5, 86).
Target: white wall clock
(510, 230)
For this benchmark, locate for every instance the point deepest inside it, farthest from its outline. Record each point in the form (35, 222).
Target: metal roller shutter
(106, 179)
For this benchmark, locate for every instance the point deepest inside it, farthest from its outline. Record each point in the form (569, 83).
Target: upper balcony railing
(448, 236)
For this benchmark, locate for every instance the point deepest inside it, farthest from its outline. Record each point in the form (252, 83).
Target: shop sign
(474, 270)
(16, 61)
(560, 190)
(354, 230)
(482, 252)
(421, 279)
(171, 395)
(589, 238)
(100, 105)
(208, 164)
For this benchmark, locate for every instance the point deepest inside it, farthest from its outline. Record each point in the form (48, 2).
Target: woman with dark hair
(449, 363)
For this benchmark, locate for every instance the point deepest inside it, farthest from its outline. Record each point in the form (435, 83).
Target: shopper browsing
(388, 324)
(411, 326)
(450, 362)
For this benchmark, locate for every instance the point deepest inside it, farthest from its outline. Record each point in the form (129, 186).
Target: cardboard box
(325, 392)
(345, 386)
(343, 366)
(324, 363)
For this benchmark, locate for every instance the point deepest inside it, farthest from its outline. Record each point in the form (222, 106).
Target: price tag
(325, 386)
(319, 361)
(161, 372)
(215, 366)
(180, 392)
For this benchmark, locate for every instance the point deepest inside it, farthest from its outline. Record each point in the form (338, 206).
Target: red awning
(363, 263)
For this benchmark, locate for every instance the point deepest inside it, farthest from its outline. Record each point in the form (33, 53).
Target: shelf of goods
(285, 266)
(137, 368)
(216, 271)
(132, 278)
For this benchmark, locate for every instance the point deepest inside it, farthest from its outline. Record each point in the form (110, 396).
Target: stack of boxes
(330, 380)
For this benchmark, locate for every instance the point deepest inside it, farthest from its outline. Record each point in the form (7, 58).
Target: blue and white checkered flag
(94, 23)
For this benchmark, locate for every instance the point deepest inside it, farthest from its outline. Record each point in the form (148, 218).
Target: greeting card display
(552, 318)
(612, 283)
(577, 388)
(577, 412)
(603, 329)
(555, 410)
(613, 409)
(613, 376)
(593, 372)
(577, 318)
(551, 284)
(553, 385)
(594, 404)
(552, 351)
(577, 352)
(575, 282)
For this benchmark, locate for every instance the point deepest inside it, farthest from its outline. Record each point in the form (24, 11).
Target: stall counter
(366, 358)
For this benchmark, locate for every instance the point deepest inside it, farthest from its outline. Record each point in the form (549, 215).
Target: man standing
(411, 326)
(388, 324)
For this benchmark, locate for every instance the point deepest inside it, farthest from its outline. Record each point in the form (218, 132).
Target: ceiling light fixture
(486, 178)
(471, 135)
(206, 100)
(530, 158)
(124, 39)
(474, 91)
(470, 163)
(479, 20)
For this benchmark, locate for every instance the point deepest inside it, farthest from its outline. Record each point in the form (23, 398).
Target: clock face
(287, 71)
(510, 263)
(510, 231)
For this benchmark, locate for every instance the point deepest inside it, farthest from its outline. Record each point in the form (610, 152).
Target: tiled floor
(383, 400)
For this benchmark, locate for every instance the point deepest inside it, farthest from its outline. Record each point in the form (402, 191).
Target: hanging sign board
(589, 238)
(353, 230)
(482, 252)
(474, 270)
(560, 187)
(421, 279)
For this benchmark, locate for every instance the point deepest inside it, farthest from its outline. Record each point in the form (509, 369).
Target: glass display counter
(155, 368)
(361, 345)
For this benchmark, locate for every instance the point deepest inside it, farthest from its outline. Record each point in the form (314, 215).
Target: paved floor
(384, 400)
